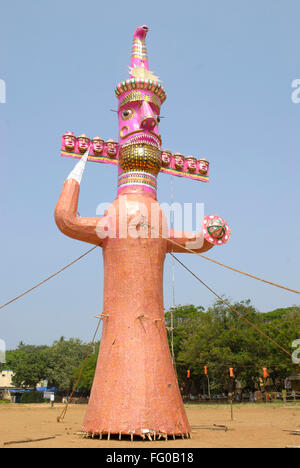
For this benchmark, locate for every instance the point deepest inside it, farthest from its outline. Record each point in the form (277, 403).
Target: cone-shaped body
(135, 387)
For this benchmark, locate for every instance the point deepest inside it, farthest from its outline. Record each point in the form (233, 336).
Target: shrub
(32, 397)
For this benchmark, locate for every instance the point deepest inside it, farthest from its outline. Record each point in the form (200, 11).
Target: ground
(254, 425)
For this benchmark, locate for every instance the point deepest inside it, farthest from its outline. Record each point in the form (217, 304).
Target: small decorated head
(191, 163)
(70, 140)
(203, 166)
(215, 229)
(140, 99)
(166, 157)
(112, 148)
(83, 143)
(98, 145)
(179, 161)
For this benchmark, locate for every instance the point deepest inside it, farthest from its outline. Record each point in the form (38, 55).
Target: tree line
(216, 338)
(219, 338)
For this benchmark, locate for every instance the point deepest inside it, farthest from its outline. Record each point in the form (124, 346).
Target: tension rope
(231, 268)
(62, 415)
(233, 309)
(173, 278)
(49, 277)
(64, 411)
(184, 266)
(169, 240)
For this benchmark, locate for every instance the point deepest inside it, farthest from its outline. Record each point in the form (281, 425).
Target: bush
(32, 397)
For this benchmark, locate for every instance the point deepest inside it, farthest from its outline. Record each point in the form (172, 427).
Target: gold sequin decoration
(140, 157)
(139, 96)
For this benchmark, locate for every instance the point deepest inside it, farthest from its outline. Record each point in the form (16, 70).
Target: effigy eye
(127, 114)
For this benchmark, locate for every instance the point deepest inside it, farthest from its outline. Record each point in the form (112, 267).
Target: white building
(6, 376)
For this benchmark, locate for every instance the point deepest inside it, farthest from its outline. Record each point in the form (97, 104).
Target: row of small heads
(182, 163)
(82, 143)
(110, 147)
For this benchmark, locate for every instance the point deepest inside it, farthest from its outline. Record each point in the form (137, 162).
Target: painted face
(192, 164)
(165, 158)
(83, 144)
(203, 166)
(179, 161)
(216, 228)
(138, 118)
(98, 146)
(69, 142)
(112, 148)
(139, 137)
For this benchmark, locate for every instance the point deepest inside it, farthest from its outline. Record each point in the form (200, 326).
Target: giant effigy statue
(135, 389)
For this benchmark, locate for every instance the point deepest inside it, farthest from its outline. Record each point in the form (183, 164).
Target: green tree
(220, 338)
(28, 364)
(87, 376)
(63, 357)
(55, 363)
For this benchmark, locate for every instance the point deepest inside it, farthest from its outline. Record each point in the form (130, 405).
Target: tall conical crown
(140, 75)
(139, 57)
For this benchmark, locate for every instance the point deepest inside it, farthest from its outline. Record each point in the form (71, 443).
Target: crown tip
(141, 32)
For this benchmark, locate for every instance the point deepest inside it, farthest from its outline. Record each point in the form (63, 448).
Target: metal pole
(230, 396)
(173, 275)
(208, 387)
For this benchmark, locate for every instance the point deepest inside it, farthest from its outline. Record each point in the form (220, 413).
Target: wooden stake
(28, 440)
(231, 406)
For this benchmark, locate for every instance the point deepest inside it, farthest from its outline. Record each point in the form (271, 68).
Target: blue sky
(227, 67)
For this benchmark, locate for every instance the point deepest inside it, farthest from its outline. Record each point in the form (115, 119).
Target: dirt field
(260, 425)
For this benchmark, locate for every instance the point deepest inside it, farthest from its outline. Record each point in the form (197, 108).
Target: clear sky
(227, 67)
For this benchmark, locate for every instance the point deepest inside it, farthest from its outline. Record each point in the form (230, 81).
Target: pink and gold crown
(140, 76)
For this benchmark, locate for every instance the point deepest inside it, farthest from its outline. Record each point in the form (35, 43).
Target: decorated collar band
(135, 179)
